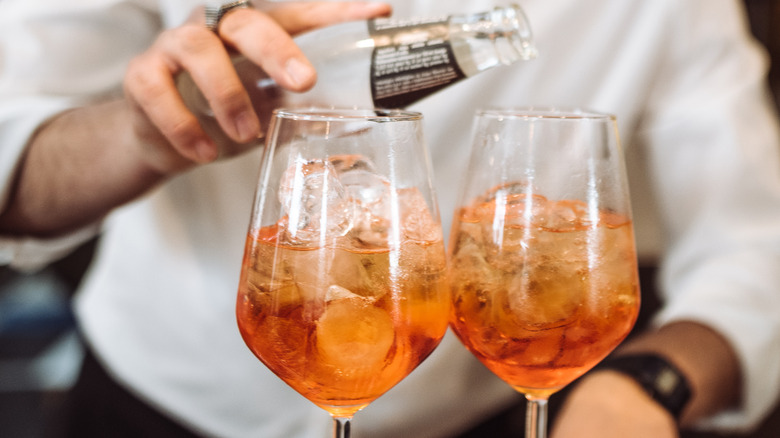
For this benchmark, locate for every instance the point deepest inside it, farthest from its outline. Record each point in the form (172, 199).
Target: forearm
(88, 161)
(607, 403)
(704, 357)
(77, 167)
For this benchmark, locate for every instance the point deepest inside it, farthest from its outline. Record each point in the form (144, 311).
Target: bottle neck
(498, 37)
(514, 40)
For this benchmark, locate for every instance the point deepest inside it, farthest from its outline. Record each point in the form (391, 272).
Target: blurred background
(40, 352)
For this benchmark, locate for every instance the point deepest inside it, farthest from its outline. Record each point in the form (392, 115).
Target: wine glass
(343, 290)
(542, 256)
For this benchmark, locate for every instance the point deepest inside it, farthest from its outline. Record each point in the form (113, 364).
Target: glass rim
(325, 114)
(546, 112)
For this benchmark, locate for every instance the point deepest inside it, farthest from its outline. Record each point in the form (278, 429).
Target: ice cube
(566, 215)
(354, 334)
(365, 274)
(317, 204)
(545, 348)
(336, 292)
(347, 163)
(416, 219)
(371, 193)
(546, 294)
(370, 189)
(285, 341)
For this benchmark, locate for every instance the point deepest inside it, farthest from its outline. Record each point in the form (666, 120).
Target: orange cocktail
(542, 290)
(343, 322)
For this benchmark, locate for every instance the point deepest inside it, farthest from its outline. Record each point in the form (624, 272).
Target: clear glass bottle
(382, 63)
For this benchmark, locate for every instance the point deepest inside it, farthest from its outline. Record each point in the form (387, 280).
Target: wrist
(659, 378)
(610, 404)
(145, 149)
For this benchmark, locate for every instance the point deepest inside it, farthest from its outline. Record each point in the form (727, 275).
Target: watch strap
(658, 377)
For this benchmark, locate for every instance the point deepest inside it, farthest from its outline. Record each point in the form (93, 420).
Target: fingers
(204, 56)
(151, 89)
(151, 92)
(265, 37)
(261, 39)
(300, 17)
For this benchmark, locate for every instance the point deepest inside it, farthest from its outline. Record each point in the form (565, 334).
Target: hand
(607, 404)
(169, 135)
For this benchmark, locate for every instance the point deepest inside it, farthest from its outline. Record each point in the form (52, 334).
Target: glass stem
(536, 417)
(341, 427)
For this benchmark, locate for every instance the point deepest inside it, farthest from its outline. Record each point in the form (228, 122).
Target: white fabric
(683, 77)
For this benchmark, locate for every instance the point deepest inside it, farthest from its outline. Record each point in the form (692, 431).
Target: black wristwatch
(657, 376)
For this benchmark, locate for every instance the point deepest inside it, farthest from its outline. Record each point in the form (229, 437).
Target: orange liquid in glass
(541, 290)
(342, 324)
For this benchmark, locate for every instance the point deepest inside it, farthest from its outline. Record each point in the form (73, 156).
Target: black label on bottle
(411, 60)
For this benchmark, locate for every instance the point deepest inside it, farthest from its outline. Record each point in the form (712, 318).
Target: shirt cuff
(28, 254)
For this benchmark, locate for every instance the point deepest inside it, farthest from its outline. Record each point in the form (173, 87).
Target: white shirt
(684, 79)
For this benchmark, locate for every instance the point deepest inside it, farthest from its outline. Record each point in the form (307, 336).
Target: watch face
(666, 381)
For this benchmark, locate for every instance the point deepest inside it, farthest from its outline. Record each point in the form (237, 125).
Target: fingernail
(206, 151)
(299, 72)
(248, 126)
(374, 7)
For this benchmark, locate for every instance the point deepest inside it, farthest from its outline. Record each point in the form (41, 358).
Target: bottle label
(412, 59)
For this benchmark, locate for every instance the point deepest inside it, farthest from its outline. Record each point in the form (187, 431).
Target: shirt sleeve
(712, 138)
(57, 55)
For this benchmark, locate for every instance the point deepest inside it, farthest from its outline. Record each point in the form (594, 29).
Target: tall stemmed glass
(343, 289)
(543, 262)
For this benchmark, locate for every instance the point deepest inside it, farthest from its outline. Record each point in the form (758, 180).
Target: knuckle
(191, 38)
(275, 43)
(143, 83)
(237, 20)
(231, 96)
(182, 130)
